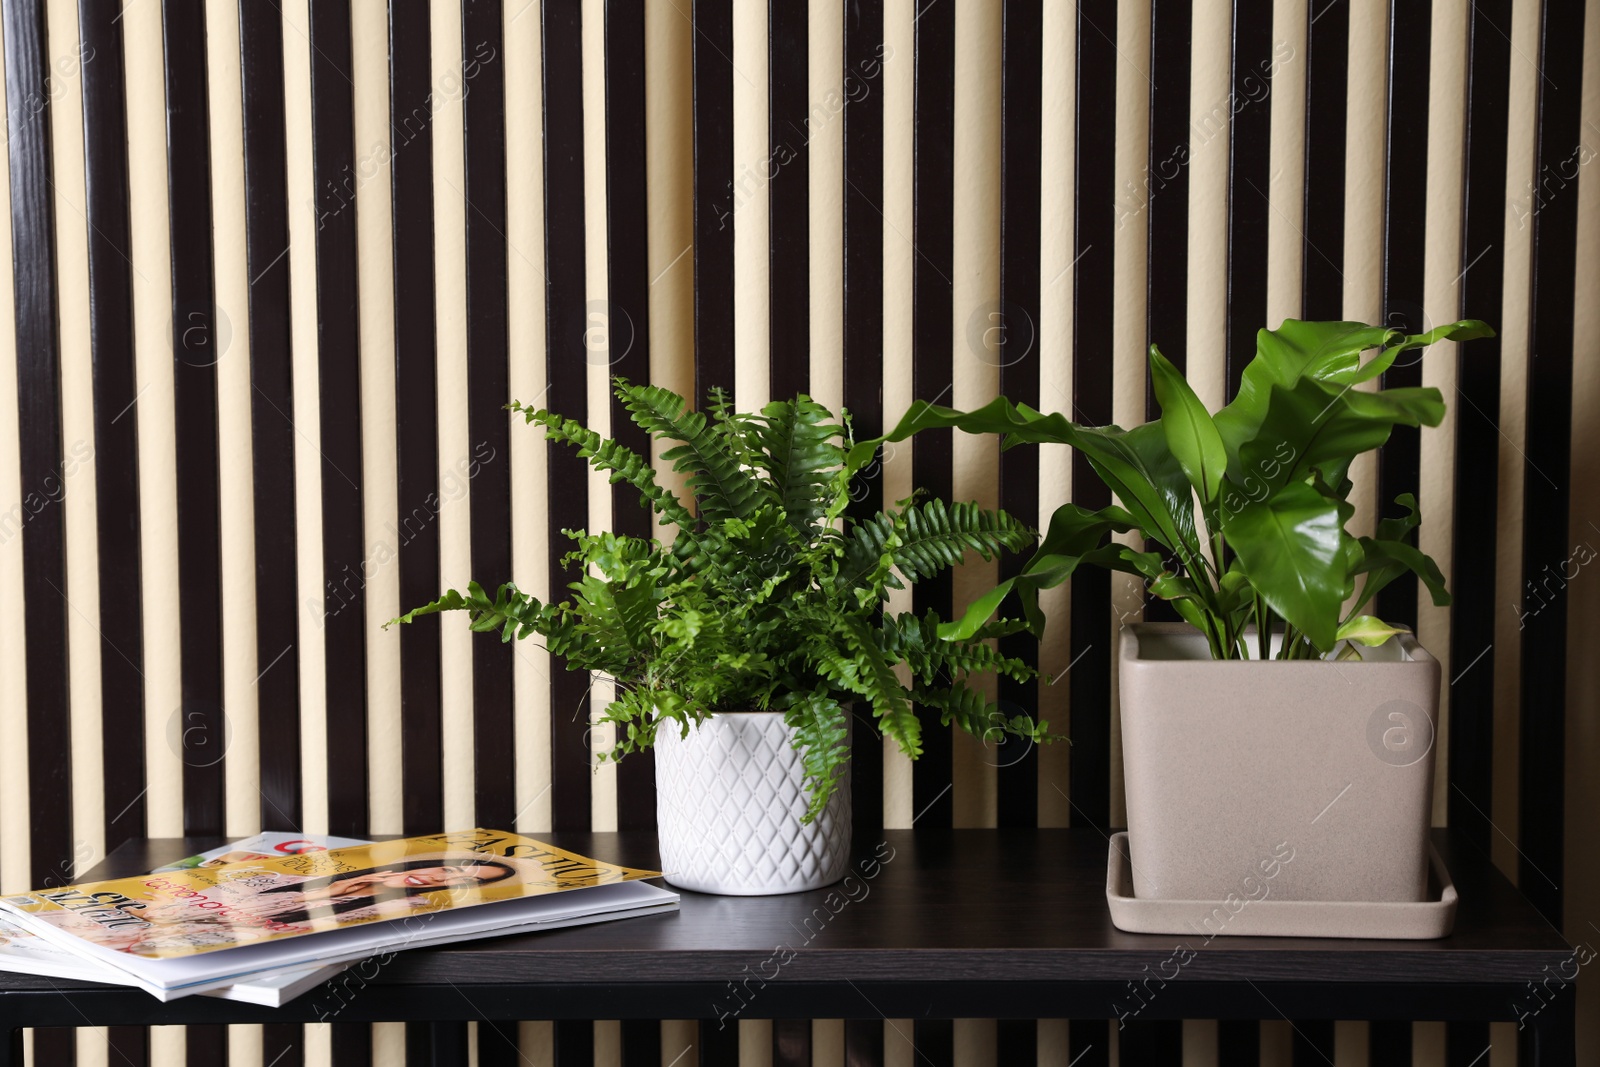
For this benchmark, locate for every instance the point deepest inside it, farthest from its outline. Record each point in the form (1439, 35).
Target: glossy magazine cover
(182, 913)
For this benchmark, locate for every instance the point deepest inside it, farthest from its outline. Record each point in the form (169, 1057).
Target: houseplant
(1328, 747)
(739, 649)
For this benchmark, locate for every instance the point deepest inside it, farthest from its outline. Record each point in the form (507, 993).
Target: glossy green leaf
(1188, 428)
(1369, 630)
(1290, 545)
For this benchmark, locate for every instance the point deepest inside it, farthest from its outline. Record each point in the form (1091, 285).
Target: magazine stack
(264, 919)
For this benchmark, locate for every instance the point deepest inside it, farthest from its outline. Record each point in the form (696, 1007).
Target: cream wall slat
(77, 437)
(1441, 299)
(1057, 156)
(1363, 206)
(596, 356)
(1129, 320)
(456, 449)
(1513, 329)
(975, 305)
(526, 376)
(241, 787)
(898, 256)
(158, 492)
(829, 86)
(1285, 223)
(1582, 877)
(1209, 105)
(370, 81)
(751, 208)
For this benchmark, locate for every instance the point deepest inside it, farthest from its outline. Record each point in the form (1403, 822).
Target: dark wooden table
(1006, 924)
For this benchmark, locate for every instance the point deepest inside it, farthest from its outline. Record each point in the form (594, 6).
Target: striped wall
(273, 267)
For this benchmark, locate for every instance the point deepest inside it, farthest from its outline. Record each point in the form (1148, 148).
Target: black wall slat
(1389, 1043)
(1547, 482)
(627, 316)
(498, 1044)
(714, 195)
(791, 1043)
(116, 418)
(1312, 1042)
(271, 400)
(272, 446)
(1151, 1041)
(416, 409)
(789, 198)
(1094, 188)
(641, 1043)
(1164, 199)
(129, 1045)
(1239, 1042)
(1249, 182)
(350, 1043)
(43, 530)
(488, 390)
(345, 567)
(932, 367)
(863, 1043)
(1405, 216)
(1022, 59)
(566, 319)
(1477, 499)
(934, 1040)
(1327, 88)
(196, 338)
(1164, 195)
(862, 345)
(719, 1045)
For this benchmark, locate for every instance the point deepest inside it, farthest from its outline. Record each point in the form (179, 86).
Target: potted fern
(1282, 711)
(740, 648)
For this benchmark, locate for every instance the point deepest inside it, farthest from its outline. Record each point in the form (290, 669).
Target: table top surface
(997, 905)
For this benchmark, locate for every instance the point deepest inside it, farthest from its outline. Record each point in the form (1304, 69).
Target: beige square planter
(1306, 780)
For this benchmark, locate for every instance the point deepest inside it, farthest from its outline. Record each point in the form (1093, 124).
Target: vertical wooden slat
(863, 1043)
(194, 347)
(863, 371)
(1022, 57)
(195, 340)
(416, 409)
(1327, 85)
(1164, 199)
(628, 323)
(1313, 1042)
(641, 1042)
(565, 321)
(272, 447)
(1405, 212)
(272, 399)
(116, 460)
(339, 394)
(789, 193)
(1094, 237)
(931, 371)
(1547, 487)
(1388, 1043)
(1475, 520)
(1238, 1042)
(713, 206)
(791, 1043)
(718, 1045)
(1249, 177)
(488, 390)
(44, 561)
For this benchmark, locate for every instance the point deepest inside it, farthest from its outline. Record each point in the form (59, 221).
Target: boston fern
(771, 594)
(1270, 475)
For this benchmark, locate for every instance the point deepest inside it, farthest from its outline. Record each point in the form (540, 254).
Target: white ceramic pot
(1232, 766)
(728, 807)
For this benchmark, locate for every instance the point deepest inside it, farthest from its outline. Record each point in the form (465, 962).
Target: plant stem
(1263, 629)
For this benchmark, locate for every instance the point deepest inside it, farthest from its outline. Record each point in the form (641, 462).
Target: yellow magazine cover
(181, 913)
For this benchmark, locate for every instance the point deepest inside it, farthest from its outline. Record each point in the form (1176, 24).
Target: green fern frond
(721, 487)
(936, 537)
(797, 441)
(624, 464)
